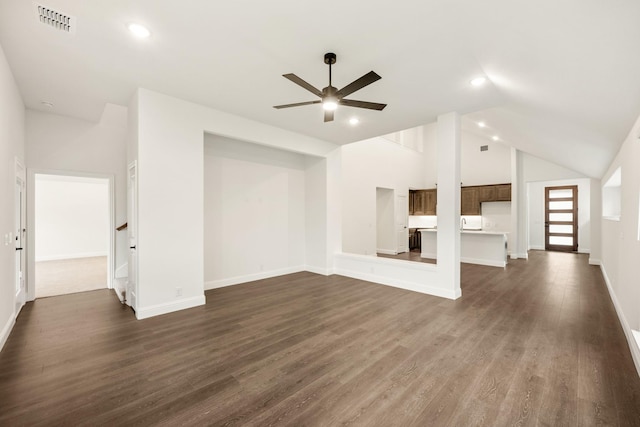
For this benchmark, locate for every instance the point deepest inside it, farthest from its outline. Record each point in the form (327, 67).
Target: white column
(514, 204)
(448, 203)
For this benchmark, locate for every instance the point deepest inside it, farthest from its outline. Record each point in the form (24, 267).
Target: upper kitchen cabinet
(494, 193)
(469, 201)
(503, 192)
(422, 202)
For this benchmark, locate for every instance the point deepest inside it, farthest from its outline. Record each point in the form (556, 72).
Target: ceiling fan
(331, 97)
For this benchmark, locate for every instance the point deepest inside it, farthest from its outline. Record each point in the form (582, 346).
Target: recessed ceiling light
(354, 121)
(478, 81)
(47, 104)
(482, 124)
(495, 138)
(139, 31)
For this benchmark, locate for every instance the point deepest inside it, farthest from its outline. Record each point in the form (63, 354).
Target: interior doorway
(73, 241)
(561, 218)
(386, 241)
(19, 236)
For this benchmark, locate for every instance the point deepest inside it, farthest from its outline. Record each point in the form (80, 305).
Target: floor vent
(55, 19)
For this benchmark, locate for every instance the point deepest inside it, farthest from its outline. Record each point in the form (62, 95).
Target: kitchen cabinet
(424, 202)
(503, 192)
(494, 193)
(412, 194)
(469, 201)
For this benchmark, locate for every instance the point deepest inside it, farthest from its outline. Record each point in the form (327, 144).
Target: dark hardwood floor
(537, 343)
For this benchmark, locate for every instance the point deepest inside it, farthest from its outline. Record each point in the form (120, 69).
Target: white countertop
(494, 233)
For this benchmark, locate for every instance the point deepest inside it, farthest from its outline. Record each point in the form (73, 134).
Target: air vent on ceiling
(484, 148)
(56, 19)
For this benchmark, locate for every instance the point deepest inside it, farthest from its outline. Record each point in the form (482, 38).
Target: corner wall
(170, 157)
(12, 143)
(620, 243)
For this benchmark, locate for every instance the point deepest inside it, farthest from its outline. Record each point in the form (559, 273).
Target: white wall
(59, 143)
(620, 244)
(170, 155)
(476, 167)
(367, 165)
(72, 217)
(496, 216)
(254, 211)
(11, 146)
(536, 197)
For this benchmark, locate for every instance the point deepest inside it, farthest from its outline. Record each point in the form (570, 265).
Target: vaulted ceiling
(564, 76)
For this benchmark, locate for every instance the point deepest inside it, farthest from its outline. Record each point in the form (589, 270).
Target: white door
(132, 232)
(20, 240)
(402, 210)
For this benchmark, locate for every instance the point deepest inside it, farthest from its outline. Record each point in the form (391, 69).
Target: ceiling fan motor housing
(330, 58)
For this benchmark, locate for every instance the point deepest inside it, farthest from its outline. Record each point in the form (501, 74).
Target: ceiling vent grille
(55, 19)
(484, 148)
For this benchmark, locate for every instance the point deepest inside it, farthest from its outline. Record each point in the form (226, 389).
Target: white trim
(386, 251)
(470, 260)
(220, 283)
(72, 256)
(319, 270)
(169, 307)
(483, 262)
(536, 247)
(397, 283)
(594, 261)
(628, 332)
(6, 331)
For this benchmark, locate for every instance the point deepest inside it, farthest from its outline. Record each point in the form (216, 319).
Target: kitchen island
(476, 246)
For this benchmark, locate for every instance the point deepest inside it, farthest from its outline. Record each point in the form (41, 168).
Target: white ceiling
(565, 75)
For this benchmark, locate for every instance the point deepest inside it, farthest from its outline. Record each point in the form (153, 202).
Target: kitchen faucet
(463, 222)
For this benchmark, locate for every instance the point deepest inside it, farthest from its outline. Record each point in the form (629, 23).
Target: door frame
(31, 223)
(21, 178)
(574, 211)
(132, 228)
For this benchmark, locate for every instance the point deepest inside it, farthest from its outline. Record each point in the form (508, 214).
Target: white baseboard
(386, 251)
(628, 332)
(428, 255)
(70, 256)
(220, 283)
(594, 261)
(120, 286)
(536, 247)
(169, 307)
(397, 283)
(319, 270)
(122, 271)
(6, 331)
(484, 262)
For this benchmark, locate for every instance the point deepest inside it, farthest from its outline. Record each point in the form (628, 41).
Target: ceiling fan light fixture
(330, 104)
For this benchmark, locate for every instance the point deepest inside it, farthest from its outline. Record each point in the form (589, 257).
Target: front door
(561, 218)
(401, 223)
(19, 240)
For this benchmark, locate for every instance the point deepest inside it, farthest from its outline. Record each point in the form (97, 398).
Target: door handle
(132, 247)
(18, 249)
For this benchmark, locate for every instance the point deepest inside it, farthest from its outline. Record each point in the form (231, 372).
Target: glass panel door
(561, 218)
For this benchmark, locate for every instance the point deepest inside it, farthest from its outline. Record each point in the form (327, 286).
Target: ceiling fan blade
(297, 80)
(363, 81)
(297, 104)
(362, 104)
(328, 115)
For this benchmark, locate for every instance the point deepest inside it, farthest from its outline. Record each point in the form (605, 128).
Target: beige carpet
(70, 275)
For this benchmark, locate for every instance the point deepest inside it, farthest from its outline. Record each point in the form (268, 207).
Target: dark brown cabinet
(469, 201)
(503, 192)
(422, 202)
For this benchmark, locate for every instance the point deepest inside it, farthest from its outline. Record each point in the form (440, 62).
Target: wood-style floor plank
(536, 343)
